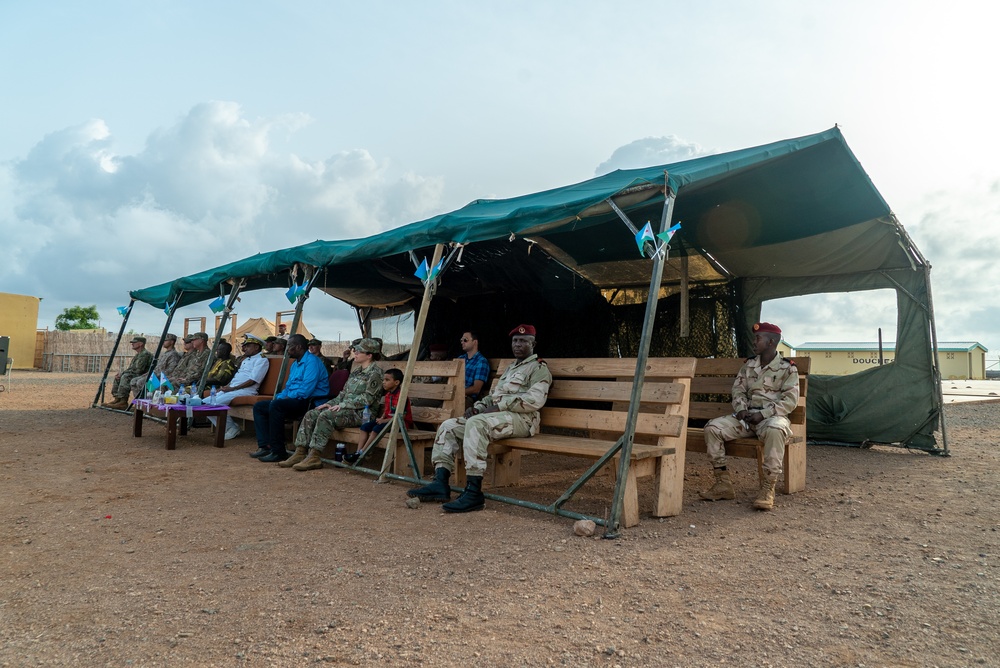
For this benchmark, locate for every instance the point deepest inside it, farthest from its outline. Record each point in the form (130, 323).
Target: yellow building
(19, 321)
(965, 360)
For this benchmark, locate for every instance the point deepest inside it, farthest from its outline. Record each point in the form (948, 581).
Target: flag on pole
(218, 305)
(422, 270)
(436, 270)
(165, 381)
(151, 385)
(642, 236)
(122, 310)
(668, 235)
(169, 307)
(291, 293)
(301, 289)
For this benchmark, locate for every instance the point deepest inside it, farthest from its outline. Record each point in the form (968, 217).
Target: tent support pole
(614, 520)
(299, 303)
(221, 330)
(685, 294)
(111, 358)
(159, 346)
(939, 393)
(411, 360)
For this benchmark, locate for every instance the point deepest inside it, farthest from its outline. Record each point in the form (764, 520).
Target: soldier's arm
(741, 392)
(532, 396)
(789, 398)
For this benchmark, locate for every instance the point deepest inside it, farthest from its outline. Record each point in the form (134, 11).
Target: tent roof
(806, 199)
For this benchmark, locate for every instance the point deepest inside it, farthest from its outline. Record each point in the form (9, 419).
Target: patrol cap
(370, 346)
(138, 339)
(766, 327)
(314, 342)
(523, 330)
(200, 335)
(253, 338)
(170, 337)
(189, 338)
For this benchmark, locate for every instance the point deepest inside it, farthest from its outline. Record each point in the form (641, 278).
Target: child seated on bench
(391, 383)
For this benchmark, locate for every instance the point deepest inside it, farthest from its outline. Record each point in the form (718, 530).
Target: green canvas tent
(795, 217)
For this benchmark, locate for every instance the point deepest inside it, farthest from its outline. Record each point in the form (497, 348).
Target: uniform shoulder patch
(790, 362)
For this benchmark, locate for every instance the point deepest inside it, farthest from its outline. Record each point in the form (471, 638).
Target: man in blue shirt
(477, 369)
(307, 380)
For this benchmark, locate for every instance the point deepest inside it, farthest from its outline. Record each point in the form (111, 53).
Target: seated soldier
(765, 392)
(277, 348)
(392, 381)
(192, 365)
(137, 368)
(344, 410)
(169, 358)
(224, 368)
(316, 348)
(511, 410)
(307, 380)
(246, 382)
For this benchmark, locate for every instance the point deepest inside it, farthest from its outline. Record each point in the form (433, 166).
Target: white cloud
(651, 151)
(85, 225)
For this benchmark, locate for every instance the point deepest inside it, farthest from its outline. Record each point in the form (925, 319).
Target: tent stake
(111, 358)
(614, 521)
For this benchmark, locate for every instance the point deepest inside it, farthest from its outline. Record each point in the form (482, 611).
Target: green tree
(78, 317)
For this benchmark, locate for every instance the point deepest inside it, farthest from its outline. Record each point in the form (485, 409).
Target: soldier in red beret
(765, 392)
(509, 411)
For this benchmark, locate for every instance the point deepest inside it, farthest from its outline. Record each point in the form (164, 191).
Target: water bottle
(366, 416)
(211, 396)
(157, 397)
(181, 395)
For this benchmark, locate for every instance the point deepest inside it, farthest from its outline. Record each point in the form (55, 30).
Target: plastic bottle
(366, 416)
(158, 397)
(211, 396)
(181, 395)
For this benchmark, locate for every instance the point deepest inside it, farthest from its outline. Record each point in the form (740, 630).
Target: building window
(951, 356)
(829, 354)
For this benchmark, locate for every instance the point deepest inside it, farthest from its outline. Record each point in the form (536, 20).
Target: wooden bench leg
(795, 468)
(670, 485)
(401, 460)
(506, 468)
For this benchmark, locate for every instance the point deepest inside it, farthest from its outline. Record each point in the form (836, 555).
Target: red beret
(766, 327)
(523, 330)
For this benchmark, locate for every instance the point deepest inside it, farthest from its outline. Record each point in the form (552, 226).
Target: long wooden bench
(712, 388)
(432, 403)
(585, 415)
(242, 407)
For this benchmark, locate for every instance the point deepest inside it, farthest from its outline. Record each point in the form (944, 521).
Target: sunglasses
(465, 340)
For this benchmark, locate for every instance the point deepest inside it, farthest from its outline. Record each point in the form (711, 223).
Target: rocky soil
(120, 553)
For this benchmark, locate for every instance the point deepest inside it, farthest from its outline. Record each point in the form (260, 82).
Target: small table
(174, 412)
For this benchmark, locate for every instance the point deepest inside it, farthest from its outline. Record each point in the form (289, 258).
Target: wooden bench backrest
(270, 382)
(592, 394)
(448, 397)
(716, 376)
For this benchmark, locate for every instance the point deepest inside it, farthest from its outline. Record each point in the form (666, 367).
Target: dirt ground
(121, 553)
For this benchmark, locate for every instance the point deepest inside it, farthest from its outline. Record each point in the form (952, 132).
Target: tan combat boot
(118, 404)
(311, 462)
(300, 453)
(722, 489)
(765, 497)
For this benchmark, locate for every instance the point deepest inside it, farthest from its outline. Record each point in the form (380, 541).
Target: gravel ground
(120, 553)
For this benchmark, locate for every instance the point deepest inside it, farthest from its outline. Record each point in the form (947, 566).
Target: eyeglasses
(465, 340)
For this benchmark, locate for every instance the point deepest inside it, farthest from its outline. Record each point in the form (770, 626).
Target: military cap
(766, 327)
(200, 335)
(138, 339)
(371, 346)
(523, 330)
(314, 342)
(189, 338)
(170, 337)
(270, 338)
(252, 338)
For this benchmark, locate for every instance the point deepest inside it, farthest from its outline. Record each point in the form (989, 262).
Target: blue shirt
(476, 368)
(307, 378)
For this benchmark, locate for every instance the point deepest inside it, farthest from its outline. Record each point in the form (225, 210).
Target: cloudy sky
(145, 141)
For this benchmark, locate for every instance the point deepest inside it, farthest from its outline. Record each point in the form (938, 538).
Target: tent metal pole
(614, 520)
(159, 346)
(685, 297)
(935, 364)
(411, 360)
(299, 303)
(111, 358)
(221, 329)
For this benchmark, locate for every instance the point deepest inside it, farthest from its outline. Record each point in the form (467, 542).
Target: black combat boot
(439, 490)
(260, 452)
(472, 498)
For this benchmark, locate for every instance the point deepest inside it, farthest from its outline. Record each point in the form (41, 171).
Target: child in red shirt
(391, 383)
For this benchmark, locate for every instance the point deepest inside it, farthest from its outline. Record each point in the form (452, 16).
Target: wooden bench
(585, 415)
(432, 404)
(715, 376)
(242, 407)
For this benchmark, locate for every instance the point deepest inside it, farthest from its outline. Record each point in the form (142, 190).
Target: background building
(19, 321)
(957, 359)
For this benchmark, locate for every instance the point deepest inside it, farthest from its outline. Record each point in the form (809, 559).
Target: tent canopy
(794, 217)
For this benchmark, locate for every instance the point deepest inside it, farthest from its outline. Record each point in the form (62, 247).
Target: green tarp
(794, 217)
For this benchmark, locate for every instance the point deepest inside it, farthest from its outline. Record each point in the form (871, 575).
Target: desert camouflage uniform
(190, 368)
(519, 394)
(362, 389)
(169, 360)
(137, 368)
(773, 390)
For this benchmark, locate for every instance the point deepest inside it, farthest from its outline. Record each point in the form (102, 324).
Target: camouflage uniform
(362, 389)
(168, 362)
(190, 368)
(519, 394)
(137, 368)
(773, 390)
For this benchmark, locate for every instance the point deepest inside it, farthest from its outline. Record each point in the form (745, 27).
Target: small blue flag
(218, 305)
(290, 293)
(666, 236)
(422, 270)
(169, 307)
(301, 289)
(642, 236)
(122, 310)
(151, 385)
(164, 381)
(437, 269)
